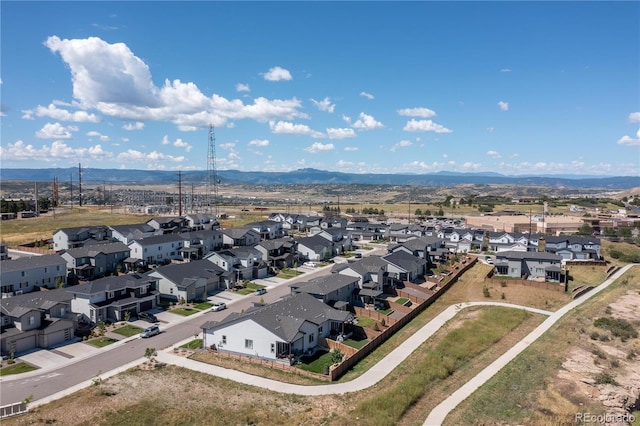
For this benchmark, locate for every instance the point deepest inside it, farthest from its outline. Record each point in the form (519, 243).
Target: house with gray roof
(279, 253)
(26, 274)
(372, 275)
(197, 244)
(246, 263)
(68, 238)
(315, 248)
(240, 237)
(110, 298)
(329, 288)
(128, 233)
(97, 260)
(268, 229)
(422, 247)
(530, 265)
(168, 225)
(39, 319)
(158, 249)
(201, 221)
(278, 331)
(573, 247)
(191, 281)
(405, 267)
(340, 237)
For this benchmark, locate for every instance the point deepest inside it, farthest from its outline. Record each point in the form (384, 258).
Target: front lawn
(194, 344)
(128, 330)
(101, 342)
(289, 273)
(203, 306)
(317, 363)
(184, 311)
(250, 288)
(18, 368)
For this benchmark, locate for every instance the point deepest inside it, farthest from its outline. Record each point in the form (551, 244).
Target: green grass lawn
(250, 288)
(317, 363)
(385, 311)
(203, 305)
(18, 368)
(402, 301)
(289, 273)
(184, 311)
(101, 342)
(365, 321)
(194, 344)
(356, 343)
(128, 330)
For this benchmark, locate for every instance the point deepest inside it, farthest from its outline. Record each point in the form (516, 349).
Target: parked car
(358, 255)
(309, 264)
(260, 291)
(150, 331)
(147, 316)
(219, 306)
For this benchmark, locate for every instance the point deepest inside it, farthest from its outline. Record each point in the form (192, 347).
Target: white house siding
(237, 333)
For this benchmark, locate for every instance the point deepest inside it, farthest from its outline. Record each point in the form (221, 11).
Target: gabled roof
(113, 283)
(572, 239)
(325, 284)
(81, 229)
(31, 262)
(277, 243)
(237, 233)
(285, 317)
(94, 249)
(177, 272)
(158, 239)
(133, 228)
(315, 242)
(19, 305)
(528, 255)
(368, 265)
(420, 243)
(404, 260)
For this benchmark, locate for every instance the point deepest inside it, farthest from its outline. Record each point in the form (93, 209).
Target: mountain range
(313, 176)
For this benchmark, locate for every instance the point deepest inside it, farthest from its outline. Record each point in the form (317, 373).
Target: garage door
(145, 306)
(25, 344)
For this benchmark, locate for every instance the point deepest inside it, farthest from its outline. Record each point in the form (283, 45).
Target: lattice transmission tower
(212, 175)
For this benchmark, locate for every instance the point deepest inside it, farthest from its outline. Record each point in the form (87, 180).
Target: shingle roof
(93, 249)
(30, 262)
(285, 317)
(325, 284)
(22, 303)
(111, 284)
(196, 268)
(405, 260)
(524, 255)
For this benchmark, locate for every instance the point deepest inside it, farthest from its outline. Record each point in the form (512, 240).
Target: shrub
(485, 291)
(617, 326)
(600, 354)
(503, 283)
(502, 296)
(605, 378)
(615, 363)
(594, 335)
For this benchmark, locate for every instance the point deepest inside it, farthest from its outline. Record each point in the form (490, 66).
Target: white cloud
(324, 105)
(504, 106)
(286, 128)
(56, 131)
(228, 145)
(111, 79)
(259, 142)
(94, 134)
(277, 74)
(240, 87)
(346, 119)
(490, 129)
(634, 117)
(367, 122)
(505, 70)
(319, 147)
(351, 148)
(424, 126)
(401, 144)
(417, 112)
(138, 125)
(52, 111)
(628, 140)
(494, 154)
(366, 95)
(179, 143)
(341, 133)
(133, 156)
(58, 150)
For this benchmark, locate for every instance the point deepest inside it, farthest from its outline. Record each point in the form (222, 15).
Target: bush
(485, 291)
(605, 378)
(618, 327)
(600, 354)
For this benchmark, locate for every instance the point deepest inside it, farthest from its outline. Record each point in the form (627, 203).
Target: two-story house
(279, 253)
(240, 237)
(68, 238)
(191, 281)
(197, 244)
(159, 249)
(329, 288)
(97, 260)
(267, 229)
(25, 274)
(532, 265)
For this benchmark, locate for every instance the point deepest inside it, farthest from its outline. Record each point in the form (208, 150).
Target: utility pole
(179, 193)
(71, 189)
(37, 206)
(80, 184)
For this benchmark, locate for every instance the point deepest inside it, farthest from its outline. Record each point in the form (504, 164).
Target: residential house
(405, 267)
(507, 241)
(168, 225)
(26, 274)
(365, 231)
(4, 251)
(333, 222)
(197, 244)
(279, 253)
(128, 233)
(371, 272)
(329, 288)
(68, 238)
(267, 229)
(315, 248)
(340, 237)
(159, 249)
(40, 319)
(97, 260)
(110, 298)
(432, 249)
(240, 237)
(278, 331)
(246, 263)
(201, 222)
(399, 232)
(191, 281)
(531, 265)
(573, 247)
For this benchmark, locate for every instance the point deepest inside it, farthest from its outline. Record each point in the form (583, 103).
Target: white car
(219, 306)
(309, 264)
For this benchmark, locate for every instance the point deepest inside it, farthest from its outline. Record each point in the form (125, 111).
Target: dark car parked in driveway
(148, 317)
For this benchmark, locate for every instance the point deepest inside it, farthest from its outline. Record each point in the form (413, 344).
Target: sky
(518, 88)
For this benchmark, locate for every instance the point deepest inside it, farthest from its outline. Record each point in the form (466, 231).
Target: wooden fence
(529, 283)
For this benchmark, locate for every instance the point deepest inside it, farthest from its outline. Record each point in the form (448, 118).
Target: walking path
(384, 366)
(440, 412)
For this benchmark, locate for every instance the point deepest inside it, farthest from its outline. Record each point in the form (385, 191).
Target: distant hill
(314, 176)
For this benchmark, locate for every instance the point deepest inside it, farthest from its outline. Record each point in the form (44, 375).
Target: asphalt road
(15, 389)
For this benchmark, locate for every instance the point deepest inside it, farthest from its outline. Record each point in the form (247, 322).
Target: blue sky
(416, 87)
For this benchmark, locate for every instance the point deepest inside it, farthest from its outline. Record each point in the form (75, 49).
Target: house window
(319, 329)
(311, 338)
(63, 311)
(171, 290)
(273, 348)
(32, 320)
(45, 270)
(248, 344)
(143, 289)
(22, 273)
(111, 295)
(224, 340)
